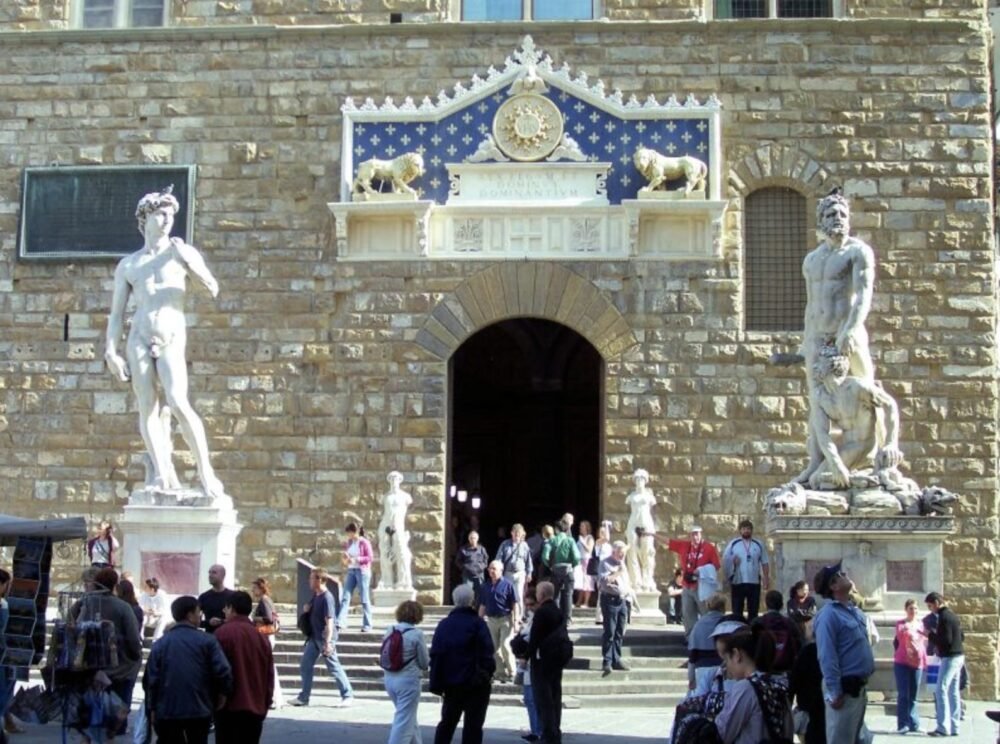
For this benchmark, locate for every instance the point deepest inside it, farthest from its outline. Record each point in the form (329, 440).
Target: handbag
(305, 624)
(594, 563)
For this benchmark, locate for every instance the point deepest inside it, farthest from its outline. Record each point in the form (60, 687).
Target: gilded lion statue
(398, 172)
(657, 169)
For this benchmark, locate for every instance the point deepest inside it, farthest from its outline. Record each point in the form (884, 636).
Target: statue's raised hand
(118, 366)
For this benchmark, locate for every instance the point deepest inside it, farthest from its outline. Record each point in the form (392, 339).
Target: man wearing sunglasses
(845, 655)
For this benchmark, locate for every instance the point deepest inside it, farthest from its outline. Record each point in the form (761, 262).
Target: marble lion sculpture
(657, 169)
(398, 172)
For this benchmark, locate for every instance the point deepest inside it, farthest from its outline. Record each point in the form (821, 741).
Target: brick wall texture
(307, 371)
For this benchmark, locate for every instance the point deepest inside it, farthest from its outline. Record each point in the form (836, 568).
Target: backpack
(696, 729)
(772, 697)
(787, 643)
(390, 657)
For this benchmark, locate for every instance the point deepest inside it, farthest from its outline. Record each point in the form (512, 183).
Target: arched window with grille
(776, 239)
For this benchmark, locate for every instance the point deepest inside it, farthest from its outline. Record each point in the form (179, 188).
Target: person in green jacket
(560, 555)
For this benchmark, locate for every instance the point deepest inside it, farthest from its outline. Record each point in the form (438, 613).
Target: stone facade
(317, 377)
(33, 15)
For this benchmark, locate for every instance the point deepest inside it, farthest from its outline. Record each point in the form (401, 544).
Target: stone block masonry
(315, 378)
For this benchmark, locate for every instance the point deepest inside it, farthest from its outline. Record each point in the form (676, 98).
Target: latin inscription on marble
(904, 576)
(549, 183)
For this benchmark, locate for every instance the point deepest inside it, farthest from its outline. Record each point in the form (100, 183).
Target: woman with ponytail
(756, 708)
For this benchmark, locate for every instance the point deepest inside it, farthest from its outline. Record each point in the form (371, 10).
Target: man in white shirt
(744, 562)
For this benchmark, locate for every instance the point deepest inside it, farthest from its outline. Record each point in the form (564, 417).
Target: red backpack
(390, 657)
(786, 641)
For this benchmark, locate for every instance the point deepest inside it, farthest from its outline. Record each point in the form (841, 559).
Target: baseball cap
(728, 627)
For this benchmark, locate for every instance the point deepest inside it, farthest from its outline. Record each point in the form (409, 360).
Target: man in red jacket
(693, 554)
(241, 718)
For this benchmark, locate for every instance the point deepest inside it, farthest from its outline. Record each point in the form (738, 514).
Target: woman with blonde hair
(583, 582)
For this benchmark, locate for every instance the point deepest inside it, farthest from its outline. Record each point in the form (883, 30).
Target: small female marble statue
(642, 550)
(393, 539)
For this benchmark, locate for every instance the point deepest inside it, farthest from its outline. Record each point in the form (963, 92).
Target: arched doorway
(525, 431)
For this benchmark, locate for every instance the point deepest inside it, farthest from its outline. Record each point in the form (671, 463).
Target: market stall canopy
(12, 528)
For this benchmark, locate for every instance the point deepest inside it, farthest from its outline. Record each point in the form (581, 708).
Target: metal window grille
(99, 14)
(741, 8)
(805, 8)
(776, 239)
(147, 13)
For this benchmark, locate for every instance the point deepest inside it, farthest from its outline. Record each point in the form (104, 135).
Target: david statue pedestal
(395, 583)
(172, 532)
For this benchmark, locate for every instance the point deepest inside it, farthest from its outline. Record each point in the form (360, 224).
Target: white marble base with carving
(890, 558)
(671, 195)
(180, 531)
(648, 613)
(383, 196)
(387, 600)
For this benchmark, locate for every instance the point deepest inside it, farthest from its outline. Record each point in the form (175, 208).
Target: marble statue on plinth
(641, 559)
(398, 173)
(393, 539)
(155, 278)
(657, 169)
(856, 471)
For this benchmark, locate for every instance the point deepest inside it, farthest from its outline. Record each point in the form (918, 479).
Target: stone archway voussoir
(526, 289)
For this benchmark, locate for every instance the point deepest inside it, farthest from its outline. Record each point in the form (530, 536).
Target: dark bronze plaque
(89, 212)
(904, 576)
(811, 568)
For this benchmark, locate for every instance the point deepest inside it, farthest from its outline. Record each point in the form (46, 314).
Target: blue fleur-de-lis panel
(602, 136)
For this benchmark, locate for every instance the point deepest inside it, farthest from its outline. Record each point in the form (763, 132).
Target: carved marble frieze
(591, 174)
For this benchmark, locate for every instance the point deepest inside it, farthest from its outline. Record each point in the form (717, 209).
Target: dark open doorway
(525, 433)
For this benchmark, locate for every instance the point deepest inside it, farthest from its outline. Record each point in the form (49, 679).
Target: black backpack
(696, 729)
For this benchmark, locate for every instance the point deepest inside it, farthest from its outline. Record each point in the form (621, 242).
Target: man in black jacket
(462, 664)
(947, 637)
(546, 672)
(187, 677)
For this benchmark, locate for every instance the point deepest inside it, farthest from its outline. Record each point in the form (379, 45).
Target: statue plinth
(175, 535)
(383, 196)
(672, 195)
(648, 613)
(387, 600)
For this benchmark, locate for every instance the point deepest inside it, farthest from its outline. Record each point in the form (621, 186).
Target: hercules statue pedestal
(171, 532)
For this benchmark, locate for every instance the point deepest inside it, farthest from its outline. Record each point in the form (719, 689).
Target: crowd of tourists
(801, 667)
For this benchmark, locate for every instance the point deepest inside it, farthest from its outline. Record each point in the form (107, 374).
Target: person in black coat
(462, 665)
(546, 676)
(805, 683)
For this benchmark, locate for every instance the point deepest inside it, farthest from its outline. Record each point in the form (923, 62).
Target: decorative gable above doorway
(530, 162)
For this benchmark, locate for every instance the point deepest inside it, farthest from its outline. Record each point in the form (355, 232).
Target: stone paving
(367, 722)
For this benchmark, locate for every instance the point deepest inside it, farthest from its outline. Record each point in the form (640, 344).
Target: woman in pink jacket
(909, 663)
(357, 561)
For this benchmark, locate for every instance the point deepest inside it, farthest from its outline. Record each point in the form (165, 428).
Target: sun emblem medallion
(528, 127)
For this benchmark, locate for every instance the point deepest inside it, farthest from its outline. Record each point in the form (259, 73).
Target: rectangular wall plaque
(904, 576)
(88, 212)
(177, 573)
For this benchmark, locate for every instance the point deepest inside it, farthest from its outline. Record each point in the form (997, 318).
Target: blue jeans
(615, 613)
(312, 651)
(947, 703)
(404, 691)
(907, 683)
(356, 579)
(529, 705)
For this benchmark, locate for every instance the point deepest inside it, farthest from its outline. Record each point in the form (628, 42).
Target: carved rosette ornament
(528, 127)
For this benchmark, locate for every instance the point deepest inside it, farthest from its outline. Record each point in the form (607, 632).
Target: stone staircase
(654, 651)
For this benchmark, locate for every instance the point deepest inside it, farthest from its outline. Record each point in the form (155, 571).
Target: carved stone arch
(529, 289)
(779, 165)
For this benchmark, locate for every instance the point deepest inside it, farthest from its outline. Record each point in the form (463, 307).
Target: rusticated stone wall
(310, 373)
(29, 15)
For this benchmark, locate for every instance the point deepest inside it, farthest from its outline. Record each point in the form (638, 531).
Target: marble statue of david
(393, 538)
(155, 278)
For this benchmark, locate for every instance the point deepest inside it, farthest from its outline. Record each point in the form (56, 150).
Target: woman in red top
(693, 554)
(909, 663)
